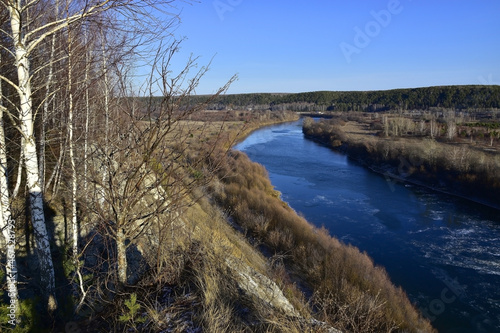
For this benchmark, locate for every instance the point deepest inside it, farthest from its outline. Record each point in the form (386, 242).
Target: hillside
(470, 98)
(246, 262)
(123, 207)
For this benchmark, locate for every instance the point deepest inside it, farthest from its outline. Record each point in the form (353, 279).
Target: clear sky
(296, 46)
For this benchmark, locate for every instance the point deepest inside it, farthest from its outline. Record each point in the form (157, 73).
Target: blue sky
(296, 46)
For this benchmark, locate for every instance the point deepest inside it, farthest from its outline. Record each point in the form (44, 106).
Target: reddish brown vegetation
(348, 291)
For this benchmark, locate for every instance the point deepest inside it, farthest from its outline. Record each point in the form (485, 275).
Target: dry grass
(189, 284)
(194, 288)
(349, 292)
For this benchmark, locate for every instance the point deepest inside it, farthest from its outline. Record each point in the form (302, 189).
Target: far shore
(355, 138)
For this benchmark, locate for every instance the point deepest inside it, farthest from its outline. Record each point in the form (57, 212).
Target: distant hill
(469, 97)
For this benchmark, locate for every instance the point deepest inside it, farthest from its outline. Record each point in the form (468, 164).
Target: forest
(470, 98)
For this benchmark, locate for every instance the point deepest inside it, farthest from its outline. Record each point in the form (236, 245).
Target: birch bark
(26, 121)
(122, 255)
(74, 220)
(6, 223)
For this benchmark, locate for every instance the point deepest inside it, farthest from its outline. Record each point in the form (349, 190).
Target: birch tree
(73, 177)
(49, 95)
(6, 223)
(26, 35)
(21, 50)
(451, 129)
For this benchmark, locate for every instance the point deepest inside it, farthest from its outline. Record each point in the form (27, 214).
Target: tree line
(467, 97)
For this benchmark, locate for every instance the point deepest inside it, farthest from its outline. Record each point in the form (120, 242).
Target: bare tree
(385, 121)
(434, 128)
(47, 98)
(150, 168)
(451, 129)
(31, 23)
(21, 51)
(71, 141)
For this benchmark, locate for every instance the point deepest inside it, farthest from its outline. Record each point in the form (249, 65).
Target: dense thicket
(457, 97)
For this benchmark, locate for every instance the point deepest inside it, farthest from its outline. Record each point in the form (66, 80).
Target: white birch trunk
(55, 172)
(87, 116)
(121, 252)
(19, 171)
(433, 128)
(74, 220)
(26, 121)
(6, 223)
(45, 114)
(106, 118)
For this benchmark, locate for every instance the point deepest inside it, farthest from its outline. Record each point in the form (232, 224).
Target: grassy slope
(320, 276)
(195, 276)
(342, 285)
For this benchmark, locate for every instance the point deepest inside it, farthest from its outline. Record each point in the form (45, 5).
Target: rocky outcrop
(263, 288)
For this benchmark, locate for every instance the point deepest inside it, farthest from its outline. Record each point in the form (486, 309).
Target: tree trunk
(106, 115)
(6, 223)
(26, 121)
(74, 220)
(19, 171)
(87, 117)
(121, 252)
(45, 112)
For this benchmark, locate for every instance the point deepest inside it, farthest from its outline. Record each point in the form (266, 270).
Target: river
(442, 250)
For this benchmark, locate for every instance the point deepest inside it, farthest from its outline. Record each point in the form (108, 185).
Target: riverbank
(342, 285)
(447, 167)
(237, 258)
(248, 129)
(422, 238)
